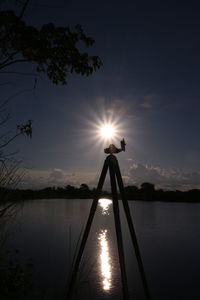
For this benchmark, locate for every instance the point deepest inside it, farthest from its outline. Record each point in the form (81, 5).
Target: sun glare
(107, 131)
(105, 205)
(104, 128)
(105, 260)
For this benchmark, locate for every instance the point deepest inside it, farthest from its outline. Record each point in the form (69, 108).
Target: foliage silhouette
(55, 50)
(10, 173)
(84, 192)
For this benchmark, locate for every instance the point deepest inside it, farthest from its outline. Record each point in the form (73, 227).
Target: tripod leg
(87, 230)
(118, 230)
(132, 231)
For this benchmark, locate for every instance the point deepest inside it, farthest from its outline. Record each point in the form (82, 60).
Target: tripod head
(112, 149)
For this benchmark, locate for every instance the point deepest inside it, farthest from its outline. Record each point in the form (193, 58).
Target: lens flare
(107, 131)
(104, 126)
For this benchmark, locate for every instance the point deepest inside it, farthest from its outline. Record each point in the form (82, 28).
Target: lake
(48, 232)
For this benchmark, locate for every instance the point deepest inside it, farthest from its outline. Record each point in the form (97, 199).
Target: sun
(107, 131)
(104, 127)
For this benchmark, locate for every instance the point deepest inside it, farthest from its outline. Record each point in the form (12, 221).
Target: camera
(112, 149)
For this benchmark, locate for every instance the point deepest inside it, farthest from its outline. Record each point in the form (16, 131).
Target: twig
(13, 62)
(10, 140)
(23, 9)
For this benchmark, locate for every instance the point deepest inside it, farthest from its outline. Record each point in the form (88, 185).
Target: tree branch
(14, 62)
(23, 9)
(10, 140)
(9, 57)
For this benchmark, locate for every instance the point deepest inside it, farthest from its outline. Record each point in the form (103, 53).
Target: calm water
(168, 234)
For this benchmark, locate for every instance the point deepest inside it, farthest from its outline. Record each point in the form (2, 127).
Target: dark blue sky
(149, 80)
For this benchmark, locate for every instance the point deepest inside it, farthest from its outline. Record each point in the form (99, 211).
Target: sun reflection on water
(105, 260)
(105, 204)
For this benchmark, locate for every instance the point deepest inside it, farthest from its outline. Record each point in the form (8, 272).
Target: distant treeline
(146, 192)
(68, 192)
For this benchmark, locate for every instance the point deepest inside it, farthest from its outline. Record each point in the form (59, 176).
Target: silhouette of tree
(147, 187)
(131, 192)
(84, 187)
(84, 191)
(53, 49)
(10, 174)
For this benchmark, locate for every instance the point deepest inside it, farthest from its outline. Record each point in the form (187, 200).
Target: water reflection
(105, 260)
(105, 204)
(104, 256)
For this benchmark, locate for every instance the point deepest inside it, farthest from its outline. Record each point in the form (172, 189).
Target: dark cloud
(163, 178)
(37, 179)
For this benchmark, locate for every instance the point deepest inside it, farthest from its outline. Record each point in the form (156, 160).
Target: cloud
(37, 179)
(56, 174)
(171, 178)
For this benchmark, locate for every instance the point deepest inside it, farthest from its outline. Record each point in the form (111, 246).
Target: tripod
(111, 163)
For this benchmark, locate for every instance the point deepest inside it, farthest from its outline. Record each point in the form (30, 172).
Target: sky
(148, 85)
